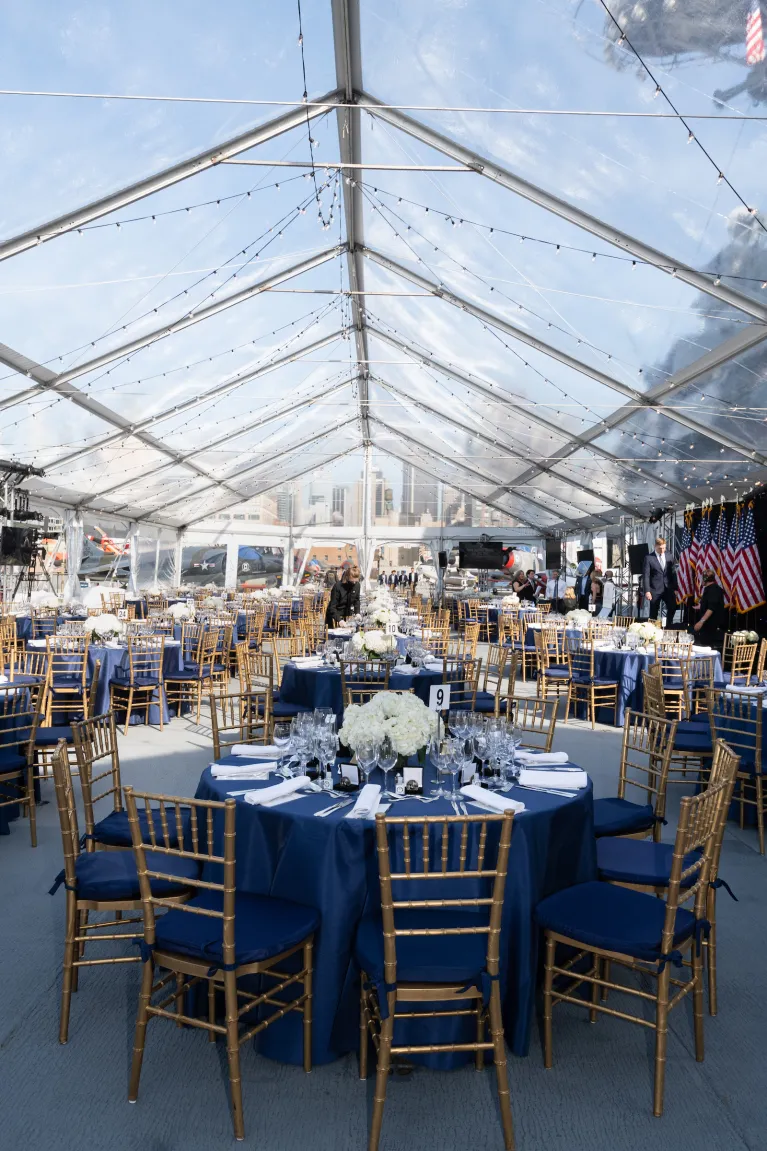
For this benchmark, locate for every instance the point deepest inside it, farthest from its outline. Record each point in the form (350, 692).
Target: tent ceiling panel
(639, 174)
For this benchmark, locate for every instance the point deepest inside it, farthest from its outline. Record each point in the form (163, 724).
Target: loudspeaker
(553, 554)
(442, 559)
(637, 553)
(587, 554)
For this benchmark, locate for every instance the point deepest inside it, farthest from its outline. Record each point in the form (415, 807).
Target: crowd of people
(401, 578)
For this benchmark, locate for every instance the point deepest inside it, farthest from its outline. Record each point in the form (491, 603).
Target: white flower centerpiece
(105, 628)
(745, 637)
(404, 718)
(43, 599)
(510, 600)
(579, 617)
(380, 616)
(181, 611)
(213, 603)
(373, 644)
(646, 629)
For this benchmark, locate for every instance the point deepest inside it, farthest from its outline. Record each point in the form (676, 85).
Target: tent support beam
(164, 179)
(539, 468)
(641, 399)
(346, 41)
(596, 227)
(497, 396)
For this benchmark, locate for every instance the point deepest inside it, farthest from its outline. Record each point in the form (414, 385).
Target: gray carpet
(597, 1096)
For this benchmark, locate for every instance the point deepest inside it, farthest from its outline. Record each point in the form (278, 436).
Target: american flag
(748, 583)
(684, 573)
(717, 545)
(754, 36)
(728, 558)
(703, 540)
(695, 551)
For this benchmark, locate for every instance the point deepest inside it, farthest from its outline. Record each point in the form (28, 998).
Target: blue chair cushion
(187, 675)
(557, 672)
(105, 875)
(425, 958)
(50, 736)
(67, 686)
(613, 918)
(485, 702)
(613, 816)
(693, 737)
(597, 681)
(113, 830)
(10, 760)
(139, 681)
(638, 861)
(286, 710)
(263, 927)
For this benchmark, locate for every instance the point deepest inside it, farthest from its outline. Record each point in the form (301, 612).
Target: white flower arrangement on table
(43, 599)
(213, 602)
(579, 618)
(381, 616)
(373, 643)
(404, 718)
(645, 629)
(106, 627)
(510, 600)
(181, 611)
(745, 637)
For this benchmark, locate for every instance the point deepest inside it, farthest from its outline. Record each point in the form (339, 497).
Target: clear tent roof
(518, 250)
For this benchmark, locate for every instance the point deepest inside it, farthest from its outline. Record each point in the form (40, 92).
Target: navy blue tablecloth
(331, 864)
(321, 686)
(115, 660)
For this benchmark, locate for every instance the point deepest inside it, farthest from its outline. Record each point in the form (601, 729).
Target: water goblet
(282, 737)
(387, 759)
(367, 757)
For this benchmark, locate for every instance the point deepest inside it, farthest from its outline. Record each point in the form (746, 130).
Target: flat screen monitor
(479, 555)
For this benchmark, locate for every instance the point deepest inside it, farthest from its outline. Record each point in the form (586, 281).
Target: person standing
(344, 598)
(596, 593)
(608, 597)
(659, 582)
(556, 585)
(583, 589)
(710, 627)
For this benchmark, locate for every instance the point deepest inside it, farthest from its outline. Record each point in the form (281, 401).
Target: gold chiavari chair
(222, 667)
(44, 741)
(361, 679)
(640, 932)
(67, 686)
(255, 669)
(645, 866)
(245, 717)
(483, 621)
(508, 702)
(163, 625)
(19, 707)
(463, 645)
(254, 629)
(156, 602)
(237, 940)
(462, 676)
(112, 602)
(536, 719)
(645, 759)
(402, 955)
(584, 684)
(742, 663)
(652, 686)
(737, 719)
(761, 662)
(672, 659)
(528, 653)
(552, 662)
(544, 606)
(701, 676)
(623, 621)
(43, 623)
(29, 663)
(488, 699)
(105, 882)
(437, 638)
(140, 685)
(183, 686)
(284, 648)
(692, 749)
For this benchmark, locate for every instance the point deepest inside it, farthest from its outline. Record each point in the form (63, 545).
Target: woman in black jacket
(344, 598)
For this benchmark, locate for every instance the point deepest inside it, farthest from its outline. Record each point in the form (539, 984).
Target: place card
(412, 778)
(351, 772)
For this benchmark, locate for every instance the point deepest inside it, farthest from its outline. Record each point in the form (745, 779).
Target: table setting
(305, 831)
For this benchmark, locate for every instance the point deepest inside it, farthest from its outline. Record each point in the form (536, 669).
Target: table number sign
(391, 629)
(412, 777)
(122, 613)
(439, 697)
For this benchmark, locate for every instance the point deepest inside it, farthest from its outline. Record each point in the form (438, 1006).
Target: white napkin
(566, 780)
(434, 663)
(406, 669)
(746, 690)
(255, 750)
(704, 650)
(494, 799)
(266, 795)
(367, 802)
(307, 660)
(258, 770)
(540, 758)
(339, 631)
(35, 643)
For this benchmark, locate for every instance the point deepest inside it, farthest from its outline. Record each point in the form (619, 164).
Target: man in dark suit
(583, 589)
(659, 582)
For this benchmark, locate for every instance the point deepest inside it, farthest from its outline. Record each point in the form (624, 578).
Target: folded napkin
(703, 650)
(251, 770)
(267, 795)
(35, 643)
(540, 758)
(255, 750)
(367, 802)
(339, 631)
(566, 780)
(434, 663)
(307, 660)
(492, 799)
(406, 669)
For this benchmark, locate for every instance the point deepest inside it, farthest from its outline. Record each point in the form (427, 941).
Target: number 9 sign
(439, 697)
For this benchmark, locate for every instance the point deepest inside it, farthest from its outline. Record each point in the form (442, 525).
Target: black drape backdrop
(755, 620)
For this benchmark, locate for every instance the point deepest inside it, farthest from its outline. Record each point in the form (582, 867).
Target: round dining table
(330, 863)
(321, 686)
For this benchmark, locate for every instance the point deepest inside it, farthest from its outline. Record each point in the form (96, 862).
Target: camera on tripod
(20, 544)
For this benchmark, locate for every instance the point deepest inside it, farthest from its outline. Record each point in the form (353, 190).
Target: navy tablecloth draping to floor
(331, 864)
(321, 686)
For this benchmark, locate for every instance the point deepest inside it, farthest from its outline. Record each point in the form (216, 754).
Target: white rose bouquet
(510, 600)
(181, 611)
(213, 603)
(104, 627)
(404, 718)
(373, 644)
(579, 618)
(645, 629)
(43, 599)
(745, 637)
(380, 616)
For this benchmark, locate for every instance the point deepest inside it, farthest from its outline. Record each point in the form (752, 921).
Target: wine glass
(367, 757)
(480, 746)
(327, 748)
(457, 762)
(282, 738)
(387, 759)
(324, 716)
(439, 753)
